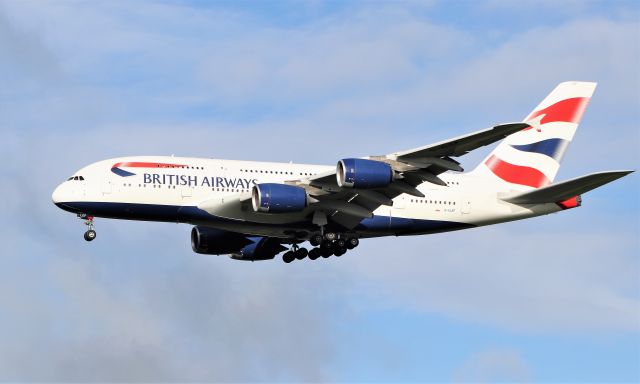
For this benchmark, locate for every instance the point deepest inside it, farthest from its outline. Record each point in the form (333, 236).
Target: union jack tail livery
(531, 158)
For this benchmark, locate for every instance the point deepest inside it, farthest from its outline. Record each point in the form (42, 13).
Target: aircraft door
(187, 191)
(399, 205)
(107, 187)
(465, 207)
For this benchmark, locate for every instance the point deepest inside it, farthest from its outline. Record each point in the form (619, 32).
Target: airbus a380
(256, 210)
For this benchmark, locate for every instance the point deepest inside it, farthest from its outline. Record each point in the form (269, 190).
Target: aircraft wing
(462, 145)
(347, 206)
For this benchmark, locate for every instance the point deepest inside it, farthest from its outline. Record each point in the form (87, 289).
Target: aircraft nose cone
(57, 195)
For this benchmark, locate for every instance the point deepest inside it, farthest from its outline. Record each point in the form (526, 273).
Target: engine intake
(363, 173)
(278, 198)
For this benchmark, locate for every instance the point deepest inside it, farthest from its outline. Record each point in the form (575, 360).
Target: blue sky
(553, 299)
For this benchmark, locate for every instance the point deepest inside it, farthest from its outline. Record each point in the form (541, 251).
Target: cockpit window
(80, 178)
(75, 178)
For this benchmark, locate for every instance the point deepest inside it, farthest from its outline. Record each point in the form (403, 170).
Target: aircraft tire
(301, 253)
(314, 254)
(315, 240)
(288, 257)
(90, 235)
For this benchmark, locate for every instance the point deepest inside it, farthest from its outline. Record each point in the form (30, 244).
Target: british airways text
(195, 181)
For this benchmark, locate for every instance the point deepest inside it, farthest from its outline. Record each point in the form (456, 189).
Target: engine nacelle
(262, 248)
(210, 241)
(363, 173)
(278, 198)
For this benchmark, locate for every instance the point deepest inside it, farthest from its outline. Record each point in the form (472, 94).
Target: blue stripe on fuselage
(401, 225)
(122, 172)
(377, 225)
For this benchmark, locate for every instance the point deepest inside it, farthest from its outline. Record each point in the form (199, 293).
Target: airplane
(257, 210)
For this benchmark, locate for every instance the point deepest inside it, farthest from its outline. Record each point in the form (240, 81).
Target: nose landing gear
(88, 221)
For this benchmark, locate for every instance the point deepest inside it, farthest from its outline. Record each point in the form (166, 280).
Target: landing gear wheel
(340, 252)
(340, 243)
(301, 253)
(88, 221)
(90, 235)
(314, 254)
(330, 236)
(352, 242)
(326, 252)
(288, 257)
(315, 240)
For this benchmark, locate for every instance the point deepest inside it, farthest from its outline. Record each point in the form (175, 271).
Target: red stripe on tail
(517, 174)
(568, 111)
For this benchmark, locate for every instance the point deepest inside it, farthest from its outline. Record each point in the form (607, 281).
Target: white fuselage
(206, 192)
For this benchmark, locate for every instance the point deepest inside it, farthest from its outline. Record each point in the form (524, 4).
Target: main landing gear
(331, 244)
(295, 253)
(88, 221)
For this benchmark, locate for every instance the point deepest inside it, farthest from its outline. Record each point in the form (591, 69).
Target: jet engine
(278, 198)
(262, 248)
(363, 173)
(211, 241)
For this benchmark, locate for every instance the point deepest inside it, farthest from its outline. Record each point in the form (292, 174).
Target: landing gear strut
(88, 221)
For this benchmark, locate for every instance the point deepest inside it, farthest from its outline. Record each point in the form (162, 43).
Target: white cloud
(539, 276)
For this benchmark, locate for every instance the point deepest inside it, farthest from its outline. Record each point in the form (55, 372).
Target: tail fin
(531, 157)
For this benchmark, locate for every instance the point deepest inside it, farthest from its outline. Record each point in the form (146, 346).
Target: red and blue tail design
(117, 168)
(531, 157)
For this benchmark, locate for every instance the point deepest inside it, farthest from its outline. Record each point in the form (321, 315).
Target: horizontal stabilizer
(566, 189)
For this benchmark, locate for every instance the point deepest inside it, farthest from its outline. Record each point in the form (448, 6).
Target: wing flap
(566, 189)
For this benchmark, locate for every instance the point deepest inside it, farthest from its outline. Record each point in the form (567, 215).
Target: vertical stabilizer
(531, 157)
